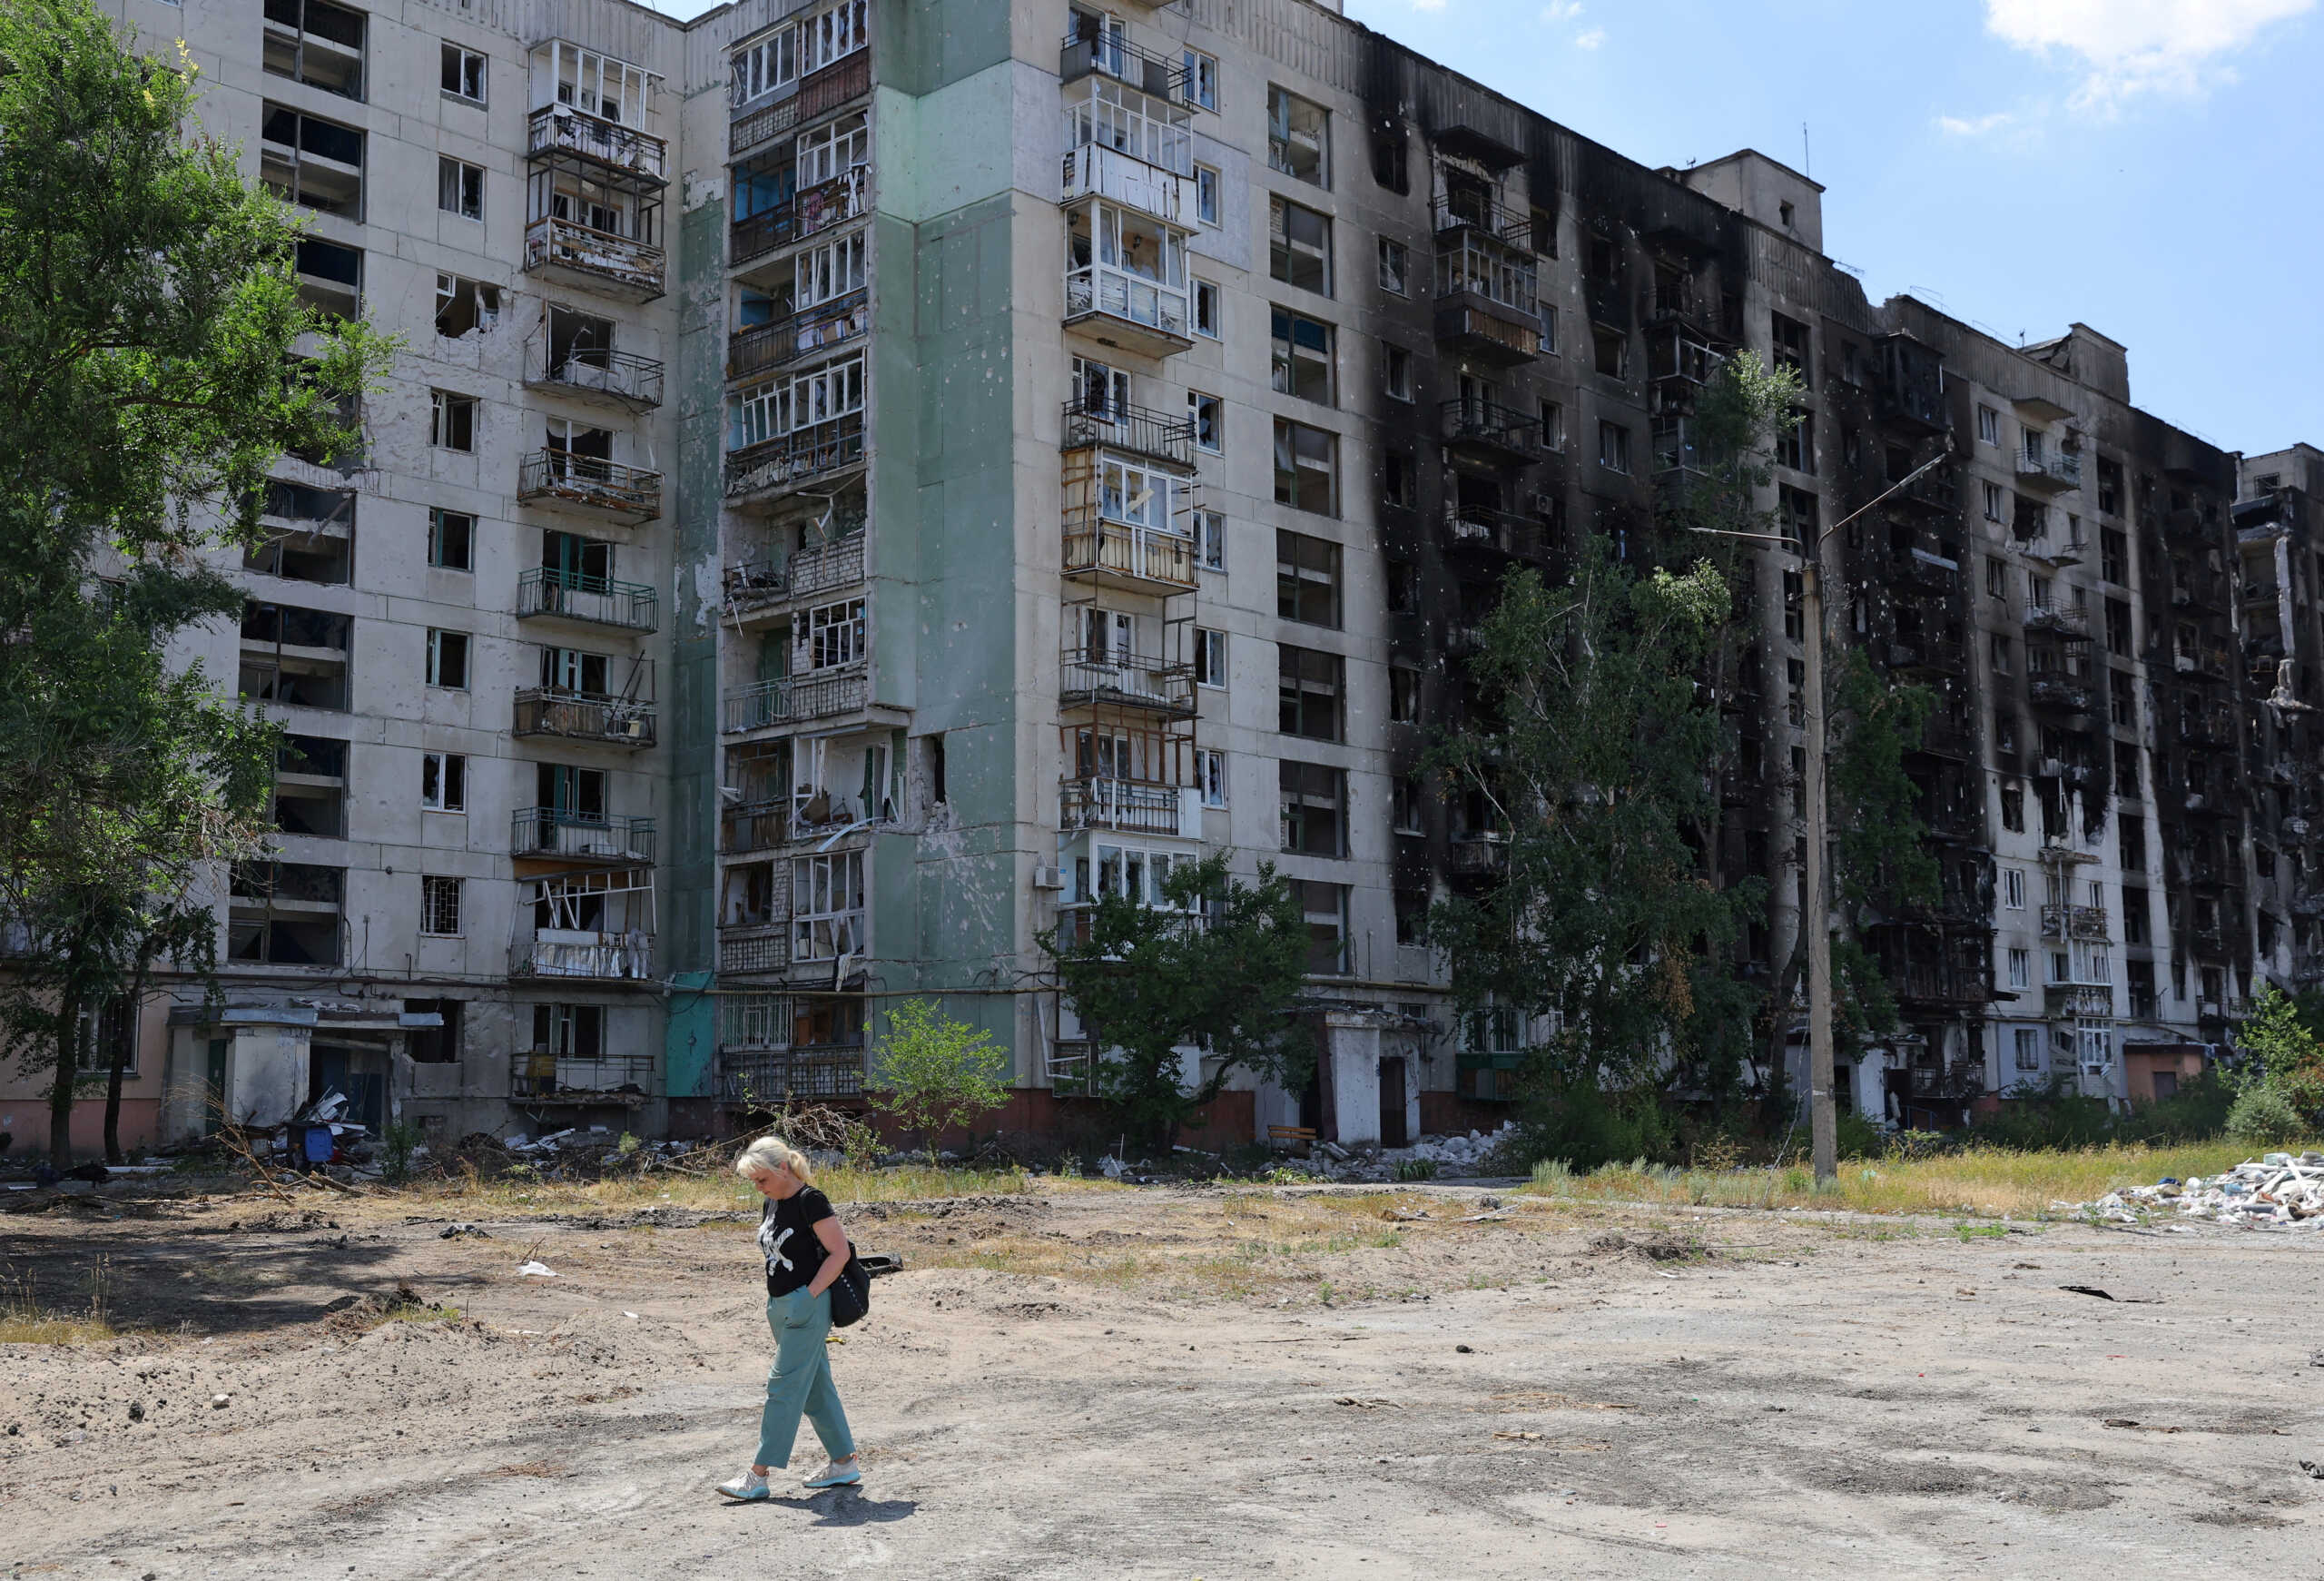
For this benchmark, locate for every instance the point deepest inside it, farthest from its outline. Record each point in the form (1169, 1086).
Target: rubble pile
(2280, 1191)
(1455, 1157)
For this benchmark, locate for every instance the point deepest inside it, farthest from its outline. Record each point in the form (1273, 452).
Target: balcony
(544, 593)
(791, 699)
(635, 381)
(2073, 921)
(1141, 314)
(1908, 385)
(1477, 212)
(806, 212)
(1139, 430)
(822, 328)
(1111, 56)
(584, 954)
(762, 585)
(767, 1079)
(1095, 171)
(1927, 656)
(1477, 855)
(845, 80)
(1920, 570)
(2050, 471)
(1138, 559)
(591, 484)
(634, 156)
(753, 949)
(2057, 621)
(541, 1077)
(1936, 490)
(1487, 331)
(1489, 430)
(2092, 1001)
(1679, 363)
(2060, 696)
(772, 466)
(1130, 806)
(1503, 532)
(561, 835)
(571, 715)
(1942, 736)
(1088, 676)
(572, 253)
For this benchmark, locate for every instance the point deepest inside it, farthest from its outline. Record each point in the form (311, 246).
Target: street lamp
(1823, 1124)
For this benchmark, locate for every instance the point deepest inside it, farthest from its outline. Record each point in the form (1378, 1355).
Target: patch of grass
(25, 1320)
(1982, 1182)
(512, 1196)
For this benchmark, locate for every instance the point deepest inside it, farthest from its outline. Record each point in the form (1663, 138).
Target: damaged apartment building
(864, 481)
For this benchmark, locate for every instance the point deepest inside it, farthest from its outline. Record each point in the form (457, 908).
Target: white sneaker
(838, 1474)
(749, 1485)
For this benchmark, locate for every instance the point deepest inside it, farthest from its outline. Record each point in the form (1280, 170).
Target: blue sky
(2147, 167)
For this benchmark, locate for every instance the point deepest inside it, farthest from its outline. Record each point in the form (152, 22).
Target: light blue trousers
(800, 1380)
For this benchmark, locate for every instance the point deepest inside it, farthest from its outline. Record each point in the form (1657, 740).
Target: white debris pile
(1453, 1157)
(2280, 1191)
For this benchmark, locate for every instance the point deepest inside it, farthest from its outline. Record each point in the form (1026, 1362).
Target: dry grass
(1981, 1182)
(514, 1196)
(25, 1319)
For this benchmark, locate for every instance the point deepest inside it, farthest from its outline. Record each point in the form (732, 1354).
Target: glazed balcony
(841, 82)
(584, 954)
(772, 466)
(573, 716)
(2049, 471)
(633, 156)
(1134, 559)
(572, 253)
(548, 593)
(2058, 695)
(1136, 429)
(590, 484)
(562, 835)
(1482, 215)
(1137, 312)
(824, 326)
(2073, 921)
(806, 212)
(1089, 677)
(792, 699)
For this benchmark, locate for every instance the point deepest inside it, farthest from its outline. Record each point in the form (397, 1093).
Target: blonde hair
(772, 1153)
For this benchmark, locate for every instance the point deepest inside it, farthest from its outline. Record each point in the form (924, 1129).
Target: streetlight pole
(1816, 921)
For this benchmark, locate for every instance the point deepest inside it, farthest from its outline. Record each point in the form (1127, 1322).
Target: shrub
(938, 1073)
(2263, 1114)
(1858, 1137)
(2197, 1112)
(1589, 1128)
(1416, 1170)
(2053, 1115)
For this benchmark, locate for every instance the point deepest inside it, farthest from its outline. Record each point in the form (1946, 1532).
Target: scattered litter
(1464, 1350)
(2277, 1191)
(218, 1402)
(454, 1231)
(1482, 1218)
(2314, 1468)
(1405, 1215)
(537, 1269)
(2108, 1296)
(1517, 1435)
(1367, 1404)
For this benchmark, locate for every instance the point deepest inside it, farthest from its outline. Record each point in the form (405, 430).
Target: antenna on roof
(1806, 164)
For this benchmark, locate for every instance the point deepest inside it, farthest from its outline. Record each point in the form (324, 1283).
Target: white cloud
(1589, 40)
(2137, 46)
(1974, 126)
(1562, 10)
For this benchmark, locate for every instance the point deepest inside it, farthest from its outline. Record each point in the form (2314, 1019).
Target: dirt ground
(1175, 1383)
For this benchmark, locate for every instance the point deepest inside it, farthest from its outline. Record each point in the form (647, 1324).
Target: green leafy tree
(1593, 746)
(937, 1073)
(145, 349)
(1218, 966)
(2281, 1054)
(1881, 862)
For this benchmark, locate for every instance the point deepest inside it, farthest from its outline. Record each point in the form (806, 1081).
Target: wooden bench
(1305, 1133)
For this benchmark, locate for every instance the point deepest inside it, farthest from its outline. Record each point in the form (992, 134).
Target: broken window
(294, 655)
(447, 659)
(463, 305)
(1306, 468)
(316, 42)
(1395, 267)
(463, 76)
(1310, 688)
(1791, 347)
(451, 538)
(1306, 579)
(460, 187)
(1313, 808)
(286, 912)
(451, 420)
(1300, 348)
(330, 277)
(1298, 137)
(1299, 246)
(829, 635)
(310, 161)
(1609, 351)
(444, 782)
(1326, 906)
(434, 1045)
(311, 786)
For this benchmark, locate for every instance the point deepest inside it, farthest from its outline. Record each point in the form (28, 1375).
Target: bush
(2263, 1114)
(2054, 1115)
(1858, 1137)
(1416, 1170)
(1588, 1128)
(2196, 1113)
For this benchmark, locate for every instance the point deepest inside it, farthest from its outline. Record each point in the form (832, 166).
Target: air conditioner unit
(1047, 877)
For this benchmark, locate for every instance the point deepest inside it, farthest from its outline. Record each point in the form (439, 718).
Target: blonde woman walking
(805, 1250)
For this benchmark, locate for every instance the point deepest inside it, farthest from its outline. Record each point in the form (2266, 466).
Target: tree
(1593, 747)
(1882, 868)
(2281, 1054)
(1217, 966)
(146, 348)
(940, 1072)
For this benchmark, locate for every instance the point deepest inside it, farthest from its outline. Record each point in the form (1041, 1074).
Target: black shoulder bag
(851, 1293)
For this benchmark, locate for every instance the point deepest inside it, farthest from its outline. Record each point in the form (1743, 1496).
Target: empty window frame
(1298, 137)
(1613, 447)
(1206, 311)
(1206, 194)
(1306, 468)
(830, 636)
(1208, 413)
(290, 913)
(451, 424)
(443, 782)
(330, 277)
(447, 659)
(1202, 80)
(1395, 267)
(1311, 688)
(451, 540)
(1314, 800)
(1404, 695)
(463, 305)
(1299, 246)
(1396, 372)
(316, 42)
(1302, 350)
(440, 906)
(1210, 658)
(827, 905)
(796, 401)
(460, 187)
(1326, 906)
(1210, 774)
(1791, 347)
(1307, 578)
(464, 73)
(310, 161)
(598, 85)
(1210, 539)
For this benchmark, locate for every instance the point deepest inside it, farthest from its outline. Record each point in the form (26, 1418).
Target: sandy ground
(1520, 1397)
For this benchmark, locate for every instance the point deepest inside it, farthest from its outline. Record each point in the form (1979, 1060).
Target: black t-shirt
(787, 1237)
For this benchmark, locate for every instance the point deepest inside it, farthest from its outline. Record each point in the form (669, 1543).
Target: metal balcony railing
(562, 128)
(591, 483)
(2044, 693)
(1115, 57)
(767, 1079)
(1475, 854)
(575, 952)
(792, 698)
(597, 600)
(597, 368)
(1099, 675)
(2058, 468)
(1478, 528)
(582, 717)
(560, 833)
(553, 242)
(1475, 212)
(2057, 619)
(746, 949)
(1126, 805)
(821, 328)
(828, 89)
(541, 1073)
(1489, 425)
(792, 458)
(1138, 429)
(804, 213)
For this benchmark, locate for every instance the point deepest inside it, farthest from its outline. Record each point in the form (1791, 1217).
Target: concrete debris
(1455, 1157)
(454, 1232)
(2278, 1191)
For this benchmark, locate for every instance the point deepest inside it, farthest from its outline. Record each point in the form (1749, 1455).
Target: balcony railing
(1475, 212)
(2057, 619)
(1919, 568)
(561, 128)
(597, 600)
(2058, 470)
(804, 213)
(2094, 1000)
(541, 1075)
(1139, 299)
(1128, 807)
(747, 949)
(1488, 425)
(598, 256)
(792, 458)
(583, 717)
(591, 483)
(1477, 855)
(1937, 490)
(559, 833)
(2073, 921)
(1115, 57)
(579, 952)
(622, 374)
(821, 328)
(1139, 429)
(1476, 527)
(1086, 676)
(835, 84)
(793, 698)
(767, 1078)
(1138, 556)
(2044, 693)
